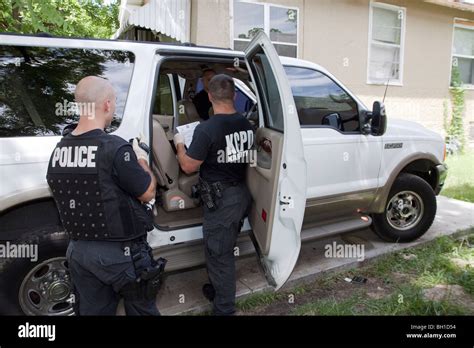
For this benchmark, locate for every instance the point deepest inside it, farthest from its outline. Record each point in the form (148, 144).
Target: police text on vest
(75, 157)
(37, 331)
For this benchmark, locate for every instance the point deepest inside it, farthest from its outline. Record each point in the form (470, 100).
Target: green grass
(267, 298)
(257, 300)
(460, 181)
(433, 263)
(403, 282)
(407, 300)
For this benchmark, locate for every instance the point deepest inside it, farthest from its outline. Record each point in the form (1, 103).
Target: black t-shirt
(225, 144)
(202, 104)
(127, 172)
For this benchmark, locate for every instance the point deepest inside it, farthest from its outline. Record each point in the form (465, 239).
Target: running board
(336, 227)
(188, 255)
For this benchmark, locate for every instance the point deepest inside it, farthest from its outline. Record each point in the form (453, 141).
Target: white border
(398, 82)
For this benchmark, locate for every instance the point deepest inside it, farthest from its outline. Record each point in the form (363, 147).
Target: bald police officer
(220, 151)
(100, 184)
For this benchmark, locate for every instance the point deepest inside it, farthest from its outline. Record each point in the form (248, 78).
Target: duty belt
(210, 193)
(226, 185)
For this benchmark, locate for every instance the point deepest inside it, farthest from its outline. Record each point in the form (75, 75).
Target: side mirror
(379, 119)
(334, 120)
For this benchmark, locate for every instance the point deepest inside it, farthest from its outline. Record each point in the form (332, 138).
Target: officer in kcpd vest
(221, 150)
(104, 189)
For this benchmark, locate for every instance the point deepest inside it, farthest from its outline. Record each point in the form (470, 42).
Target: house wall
(427, 58)
(210, 22)
(334, 34)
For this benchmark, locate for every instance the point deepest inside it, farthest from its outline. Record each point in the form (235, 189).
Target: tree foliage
(78, 18)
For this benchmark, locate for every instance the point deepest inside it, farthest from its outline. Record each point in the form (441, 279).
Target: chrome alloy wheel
(404, 210)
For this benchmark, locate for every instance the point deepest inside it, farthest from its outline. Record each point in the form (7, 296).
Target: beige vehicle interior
(176, 208)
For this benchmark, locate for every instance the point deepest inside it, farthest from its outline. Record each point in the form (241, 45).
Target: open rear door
(278, 181)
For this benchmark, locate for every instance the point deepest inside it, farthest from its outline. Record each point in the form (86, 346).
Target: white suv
(325, 164)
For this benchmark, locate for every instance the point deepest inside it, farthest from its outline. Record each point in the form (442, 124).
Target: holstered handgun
(204, 191)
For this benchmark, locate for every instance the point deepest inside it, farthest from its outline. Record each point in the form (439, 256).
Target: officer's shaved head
(97, 96)
(93, 89)
(222, 89)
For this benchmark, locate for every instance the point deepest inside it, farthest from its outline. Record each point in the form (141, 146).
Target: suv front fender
(381, 196)
(442, 174)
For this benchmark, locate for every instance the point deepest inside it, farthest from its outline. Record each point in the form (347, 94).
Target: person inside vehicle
(201, 100)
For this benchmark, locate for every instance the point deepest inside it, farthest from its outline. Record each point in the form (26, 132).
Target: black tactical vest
(91, 205)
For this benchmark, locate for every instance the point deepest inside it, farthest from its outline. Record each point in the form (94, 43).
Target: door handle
(286, 201)
(265, 144)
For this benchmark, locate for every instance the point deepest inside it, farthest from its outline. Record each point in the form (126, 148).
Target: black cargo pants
(220, 231)
(99, 270)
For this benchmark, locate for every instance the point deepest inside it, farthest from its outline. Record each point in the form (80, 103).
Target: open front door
(278, 181)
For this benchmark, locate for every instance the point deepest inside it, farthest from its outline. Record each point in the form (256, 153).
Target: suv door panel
(262, 182)
(278, 181)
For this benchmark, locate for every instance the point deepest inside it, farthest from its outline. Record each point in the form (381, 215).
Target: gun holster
(206, 193)
(147, 285)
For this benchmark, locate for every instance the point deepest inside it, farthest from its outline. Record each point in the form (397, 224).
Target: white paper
(187, 131)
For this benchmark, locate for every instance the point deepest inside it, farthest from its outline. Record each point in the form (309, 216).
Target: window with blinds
(462, 70)
(386, 44)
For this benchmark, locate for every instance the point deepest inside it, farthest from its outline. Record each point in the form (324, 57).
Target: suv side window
(268, 91)
(164, 97)
(37, 86)
(321, 102)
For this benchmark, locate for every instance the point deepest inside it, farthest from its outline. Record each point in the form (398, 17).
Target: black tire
(51, 244)
(406, 183)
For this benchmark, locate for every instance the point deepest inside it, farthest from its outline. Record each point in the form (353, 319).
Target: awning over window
(168, 17)
(464, 5)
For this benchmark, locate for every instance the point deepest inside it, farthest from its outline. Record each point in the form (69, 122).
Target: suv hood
(409, 130)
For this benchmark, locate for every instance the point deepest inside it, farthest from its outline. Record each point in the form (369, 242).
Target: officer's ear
(107, 105)
(210, 97)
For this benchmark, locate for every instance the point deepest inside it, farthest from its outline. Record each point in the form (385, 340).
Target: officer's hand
(141, 154)
(178, 139)
(141, 139)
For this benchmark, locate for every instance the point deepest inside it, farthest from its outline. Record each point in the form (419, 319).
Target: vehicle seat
(177, 186)
(311, 116)
(190, 113)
